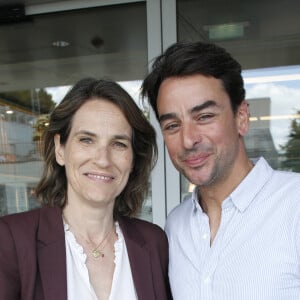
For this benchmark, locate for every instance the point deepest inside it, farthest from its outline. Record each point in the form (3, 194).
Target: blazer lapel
(52, 254)
(139, 258)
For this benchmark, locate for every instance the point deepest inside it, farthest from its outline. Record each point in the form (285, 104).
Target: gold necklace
(96, 253)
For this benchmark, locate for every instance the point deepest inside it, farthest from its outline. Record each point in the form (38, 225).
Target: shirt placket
(211, 261)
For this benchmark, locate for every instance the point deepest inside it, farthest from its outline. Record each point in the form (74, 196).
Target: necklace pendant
(97, 253)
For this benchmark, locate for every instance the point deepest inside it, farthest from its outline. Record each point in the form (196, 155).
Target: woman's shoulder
(135, 222)
(145, 228)
(25, 220)
(22, 217)
(19, 228)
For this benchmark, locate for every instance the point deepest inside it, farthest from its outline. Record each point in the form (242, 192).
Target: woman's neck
(89, 222)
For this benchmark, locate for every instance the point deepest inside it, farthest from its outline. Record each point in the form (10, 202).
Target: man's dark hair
(191, 58)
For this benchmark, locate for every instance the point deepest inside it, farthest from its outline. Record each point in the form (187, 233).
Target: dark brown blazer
(33, 257)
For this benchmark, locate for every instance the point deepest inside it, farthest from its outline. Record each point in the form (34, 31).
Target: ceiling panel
(271, 28)
(109, 41)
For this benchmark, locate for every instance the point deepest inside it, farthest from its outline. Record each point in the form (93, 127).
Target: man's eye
(86, 140)
(205, 117)
(170, 127)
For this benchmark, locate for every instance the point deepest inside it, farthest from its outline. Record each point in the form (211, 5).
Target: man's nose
(190, 135)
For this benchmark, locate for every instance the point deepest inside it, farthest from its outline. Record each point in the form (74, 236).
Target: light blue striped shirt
(256, 252)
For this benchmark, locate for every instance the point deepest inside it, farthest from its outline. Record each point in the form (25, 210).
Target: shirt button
(204, 236)
(207, 280)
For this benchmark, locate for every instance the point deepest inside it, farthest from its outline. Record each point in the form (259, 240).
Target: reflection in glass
(20, 144)
(273, 97)
(40, 59)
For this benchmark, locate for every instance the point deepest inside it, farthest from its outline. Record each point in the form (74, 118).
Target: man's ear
(242, 117)
(59, 150)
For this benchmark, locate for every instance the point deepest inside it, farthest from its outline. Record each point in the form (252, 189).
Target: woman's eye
(120, 145)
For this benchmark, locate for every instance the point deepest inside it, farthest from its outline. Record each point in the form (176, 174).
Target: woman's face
(98, 155)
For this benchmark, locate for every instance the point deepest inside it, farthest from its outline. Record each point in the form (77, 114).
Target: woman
(84, 243)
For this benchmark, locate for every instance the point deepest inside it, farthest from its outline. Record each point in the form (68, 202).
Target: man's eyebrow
(168, 116)
(206, 104)
(197, 108)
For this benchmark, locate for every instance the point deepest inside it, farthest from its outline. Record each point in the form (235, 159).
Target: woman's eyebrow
(85, 132)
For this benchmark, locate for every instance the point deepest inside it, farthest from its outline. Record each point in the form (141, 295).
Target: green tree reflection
(291, 150)
(24, 99)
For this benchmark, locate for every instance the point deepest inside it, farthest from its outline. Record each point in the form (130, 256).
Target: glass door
(264, 37)
(46, 48)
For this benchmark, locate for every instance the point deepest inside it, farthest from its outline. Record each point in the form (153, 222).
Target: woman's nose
(102, 156)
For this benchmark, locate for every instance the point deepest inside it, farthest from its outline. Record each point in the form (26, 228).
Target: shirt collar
(250, 186)
(195, 200)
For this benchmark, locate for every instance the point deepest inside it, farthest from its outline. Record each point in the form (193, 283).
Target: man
(238, 236)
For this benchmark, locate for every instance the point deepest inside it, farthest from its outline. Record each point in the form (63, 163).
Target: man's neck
(211, 197)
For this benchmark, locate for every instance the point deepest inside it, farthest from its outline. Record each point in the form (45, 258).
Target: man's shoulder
(181, 212)
(184, 207)
(275, 174)
(286, 179)
(287, 174)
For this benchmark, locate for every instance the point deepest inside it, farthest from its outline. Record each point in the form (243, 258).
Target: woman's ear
(59, 150)
(242, 116)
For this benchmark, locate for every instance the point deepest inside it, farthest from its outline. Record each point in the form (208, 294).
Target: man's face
(201, 132)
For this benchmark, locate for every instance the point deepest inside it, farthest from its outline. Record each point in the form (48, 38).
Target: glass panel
(133, 88)
(258, 33)
(273, 97)
(41, 56)
(20, 160)
(264, 37)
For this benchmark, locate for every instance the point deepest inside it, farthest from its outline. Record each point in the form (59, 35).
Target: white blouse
(78, 283)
